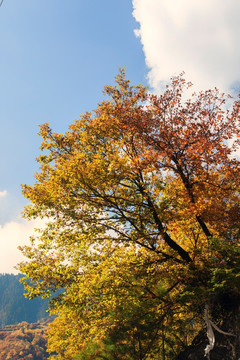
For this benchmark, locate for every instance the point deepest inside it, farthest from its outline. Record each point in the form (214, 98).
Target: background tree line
(14, 306)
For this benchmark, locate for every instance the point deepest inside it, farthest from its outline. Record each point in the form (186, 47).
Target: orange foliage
(141, 197)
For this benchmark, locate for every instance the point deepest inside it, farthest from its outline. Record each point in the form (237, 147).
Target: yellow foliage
(134, 194)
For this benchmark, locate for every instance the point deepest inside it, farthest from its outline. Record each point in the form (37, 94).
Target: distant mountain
(14, 307)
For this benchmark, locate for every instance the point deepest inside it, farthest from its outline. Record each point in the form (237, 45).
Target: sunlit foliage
(141, 197)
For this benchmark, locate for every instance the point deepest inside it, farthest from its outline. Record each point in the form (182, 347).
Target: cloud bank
(3, 193)
(12, 235)
(198, 37)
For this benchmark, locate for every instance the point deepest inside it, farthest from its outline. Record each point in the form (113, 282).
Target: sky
(56, 57)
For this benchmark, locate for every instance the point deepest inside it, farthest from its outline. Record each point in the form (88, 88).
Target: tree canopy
(141, 198)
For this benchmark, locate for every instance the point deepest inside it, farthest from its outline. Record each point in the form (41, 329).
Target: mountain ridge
(15, 307)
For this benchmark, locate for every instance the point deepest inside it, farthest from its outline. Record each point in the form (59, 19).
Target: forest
(23, 341)
(22, 322)
(15, 307)
(141, 202)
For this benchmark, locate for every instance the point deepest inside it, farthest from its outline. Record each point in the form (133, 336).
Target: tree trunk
(226, 347)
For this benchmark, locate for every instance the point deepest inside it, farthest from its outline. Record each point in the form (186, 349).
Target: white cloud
(200, 37)
(12, 235)
(3, 193)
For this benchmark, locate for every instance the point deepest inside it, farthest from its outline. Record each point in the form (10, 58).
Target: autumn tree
(141, 198)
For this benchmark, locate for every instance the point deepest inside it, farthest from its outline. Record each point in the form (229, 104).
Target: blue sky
(56, 56)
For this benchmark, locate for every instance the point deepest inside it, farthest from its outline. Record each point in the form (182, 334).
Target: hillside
(14, 307)
(23, 341)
